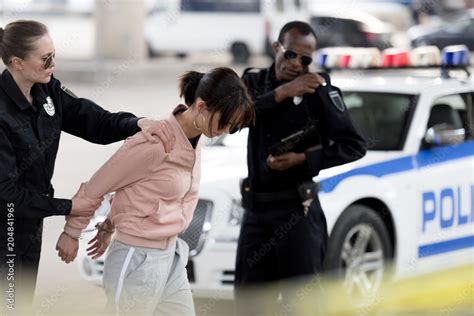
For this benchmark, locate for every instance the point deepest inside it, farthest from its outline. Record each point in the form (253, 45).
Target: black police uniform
(277, 239)
(29, 139)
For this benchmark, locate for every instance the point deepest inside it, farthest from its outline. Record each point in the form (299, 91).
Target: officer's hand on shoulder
(285, 161)
(156, 131)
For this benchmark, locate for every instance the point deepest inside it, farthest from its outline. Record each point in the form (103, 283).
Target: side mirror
(444, 134)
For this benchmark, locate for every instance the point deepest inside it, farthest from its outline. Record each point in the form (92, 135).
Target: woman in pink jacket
(155, 197)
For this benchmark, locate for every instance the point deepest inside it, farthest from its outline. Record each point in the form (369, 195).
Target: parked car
(458, 30)
(243, 28)
(350, 28)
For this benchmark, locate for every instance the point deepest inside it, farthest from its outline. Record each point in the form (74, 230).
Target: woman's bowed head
(218, 103)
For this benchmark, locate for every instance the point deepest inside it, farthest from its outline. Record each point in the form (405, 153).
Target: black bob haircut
(302, 27)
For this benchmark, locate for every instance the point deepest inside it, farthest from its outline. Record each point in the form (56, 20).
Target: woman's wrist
(106, 226)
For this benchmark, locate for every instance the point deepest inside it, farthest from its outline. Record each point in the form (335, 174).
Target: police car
(409, 201)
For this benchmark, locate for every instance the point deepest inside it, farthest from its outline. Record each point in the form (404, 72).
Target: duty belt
(263, 197)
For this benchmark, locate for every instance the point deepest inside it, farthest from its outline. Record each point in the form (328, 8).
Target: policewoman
(283, 234)
(34, 109)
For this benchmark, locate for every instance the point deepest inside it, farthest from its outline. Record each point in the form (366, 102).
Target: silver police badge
(337, 100)
(49, 106)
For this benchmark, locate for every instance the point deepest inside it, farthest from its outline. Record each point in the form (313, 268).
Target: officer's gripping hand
(156, 131)
(67, 247)
(82, 205)
(307, 83)
(285, 161)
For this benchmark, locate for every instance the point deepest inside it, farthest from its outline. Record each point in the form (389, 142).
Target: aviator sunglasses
(289, 55)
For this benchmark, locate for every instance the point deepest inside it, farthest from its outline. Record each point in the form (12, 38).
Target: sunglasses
(48, 60)
(289, 55)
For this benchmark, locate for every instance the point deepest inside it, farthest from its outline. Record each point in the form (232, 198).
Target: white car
(409, 201)
(241, 27)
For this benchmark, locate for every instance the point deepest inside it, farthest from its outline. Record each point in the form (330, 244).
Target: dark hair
(302, 27)
(223, 92)
(18, 37)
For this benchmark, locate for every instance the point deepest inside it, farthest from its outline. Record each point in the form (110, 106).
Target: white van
(241, 27)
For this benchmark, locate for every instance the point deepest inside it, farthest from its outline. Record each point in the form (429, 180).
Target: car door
(445, 185)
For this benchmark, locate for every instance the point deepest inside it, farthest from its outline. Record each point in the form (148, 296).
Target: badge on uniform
(337, 100)
(49, 106)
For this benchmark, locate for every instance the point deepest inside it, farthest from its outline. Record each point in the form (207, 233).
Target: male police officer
(280, 237)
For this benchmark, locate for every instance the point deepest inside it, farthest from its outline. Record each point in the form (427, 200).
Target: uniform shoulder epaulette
(69, 92)
(252, 70)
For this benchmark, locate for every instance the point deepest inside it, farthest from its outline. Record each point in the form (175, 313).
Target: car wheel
(240, 53)
(151, 53)
(181, 55)
(358, 251)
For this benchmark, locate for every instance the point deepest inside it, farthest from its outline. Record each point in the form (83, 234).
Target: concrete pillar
(120, 28)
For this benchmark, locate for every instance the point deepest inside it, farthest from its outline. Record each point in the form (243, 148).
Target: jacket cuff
(133, 125)
(62, 206)
(74, 232)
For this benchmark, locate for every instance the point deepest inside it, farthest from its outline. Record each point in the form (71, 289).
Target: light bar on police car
(425, 56)
(455, 55)
(349, 57)
(395, 58)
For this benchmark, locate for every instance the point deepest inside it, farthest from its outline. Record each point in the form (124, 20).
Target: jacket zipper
(187, 192)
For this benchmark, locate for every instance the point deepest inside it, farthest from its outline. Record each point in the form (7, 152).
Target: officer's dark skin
(300, 82)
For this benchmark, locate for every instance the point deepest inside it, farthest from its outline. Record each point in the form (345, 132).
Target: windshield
(381, 117)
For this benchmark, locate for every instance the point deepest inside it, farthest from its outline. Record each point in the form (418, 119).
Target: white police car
(409, 201)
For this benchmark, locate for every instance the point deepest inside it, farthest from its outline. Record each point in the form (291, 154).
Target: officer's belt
(263, 197)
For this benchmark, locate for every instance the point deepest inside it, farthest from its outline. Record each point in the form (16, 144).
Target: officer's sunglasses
(48, 60)
(289, 55)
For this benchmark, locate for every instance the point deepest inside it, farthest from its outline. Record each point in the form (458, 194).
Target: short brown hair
(18, 37)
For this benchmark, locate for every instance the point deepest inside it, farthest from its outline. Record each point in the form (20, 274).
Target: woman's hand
(156, 131)
(101, 240)
(67, 247)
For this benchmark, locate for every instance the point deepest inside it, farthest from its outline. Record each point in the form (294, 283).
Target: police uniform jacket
(335, 142)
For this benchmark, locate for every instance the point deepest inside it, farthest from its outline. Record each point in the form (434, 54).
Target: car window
(458, 25)
(383, 118)
(237, 6)
(455, 113)
(162, 6)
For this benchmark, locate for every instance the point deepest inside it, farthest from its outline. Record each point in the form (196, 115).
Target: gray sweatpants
(147, 281)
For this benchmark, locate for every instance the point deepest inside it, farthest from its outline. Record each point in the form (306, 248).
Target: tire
(151, 53)
(362, 267)
(240, 53)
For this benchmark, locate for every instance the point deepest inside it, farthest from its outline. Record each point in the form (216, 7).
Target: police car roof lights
(425, 57)
(395, 58)
(455, 55)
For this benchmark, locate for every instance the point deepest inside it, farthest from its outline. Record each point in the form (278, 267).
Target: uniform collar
(270, 77)
(13, 91)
